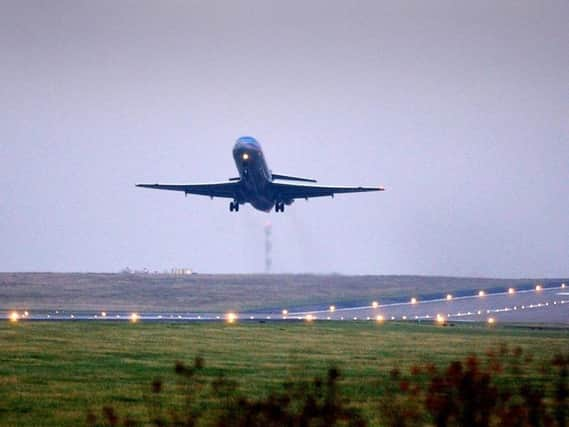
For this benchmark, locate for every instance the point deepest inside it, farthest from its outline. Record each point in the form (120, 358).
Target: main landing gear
(233, 206)
(279, 207)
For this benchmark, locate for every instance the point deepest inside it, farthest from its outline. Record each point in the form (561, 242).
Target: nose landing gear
(233, 207)
(279, 207)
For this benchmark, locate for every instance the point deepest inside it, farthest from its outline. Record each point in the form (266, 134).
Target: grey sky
(461, 109)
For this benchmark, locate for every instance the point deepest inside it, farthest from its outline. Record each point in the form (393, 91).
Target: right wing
(302, 191)
(291, 178)
(219, 189)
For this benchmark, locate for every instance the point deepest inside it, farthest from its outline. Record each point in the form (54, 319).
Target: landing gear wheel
(233, 206)
(279, 207)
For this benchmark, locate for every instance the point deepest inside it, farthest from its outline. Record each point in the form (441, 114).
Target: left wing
(301, 191)
(219, 189)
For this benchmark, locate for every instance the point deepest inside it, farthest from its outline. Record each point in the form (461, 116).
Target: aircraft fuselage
(254, 174)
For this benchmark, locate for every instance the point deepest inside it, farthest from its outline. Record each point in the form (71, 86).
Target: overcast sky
(461, 109)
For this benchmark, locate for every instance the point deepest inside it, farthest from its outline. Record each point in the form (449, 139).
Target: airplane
(257, 185)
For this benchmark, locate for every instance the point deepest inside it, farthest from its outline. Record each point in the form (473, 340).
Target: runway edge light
(231, 317)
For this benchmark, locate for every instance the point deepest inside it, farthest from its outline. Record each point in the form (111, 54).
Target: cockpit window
(248, 140)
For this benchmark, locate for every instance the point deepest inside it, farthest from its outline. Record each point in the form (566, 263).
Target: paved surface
(547, 305)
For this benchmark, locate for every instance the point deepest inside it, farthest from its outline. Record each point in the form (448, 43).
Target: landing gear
(279, 207)
(233, 206)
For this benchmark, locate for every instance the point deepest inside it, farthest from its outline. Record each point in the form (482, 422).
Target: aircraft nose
(245, 147)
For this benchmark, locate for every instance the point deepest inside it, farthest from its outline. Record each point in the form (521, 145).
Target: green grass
(53, 373)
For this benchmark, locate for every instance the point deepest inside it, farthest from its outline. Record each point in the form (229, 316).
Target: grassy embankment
(53, 373)
(219, 293)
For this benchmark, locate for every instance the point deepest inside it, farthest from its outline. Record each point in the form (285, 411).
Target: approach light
(332, 308)
(563, 285)
(134, 317)
(14, 317)
(231, 317)
(309, 318)
(375, 304)
(245, 156)
(404, 317)
(481, 293)
(511, 291)
(285, 313)
(103, 314)
(449, 297)
(413, 300)
(491, 320)
(440, 318)
(379, 318)
(26, 314)
(538, 288)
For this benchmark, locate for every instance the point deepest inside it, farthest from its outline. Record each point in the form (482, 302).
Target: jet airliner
(257, 185)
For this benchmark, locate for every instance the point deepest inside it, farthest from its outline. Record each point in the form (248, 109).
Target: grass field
(219, 292)
(53, 373)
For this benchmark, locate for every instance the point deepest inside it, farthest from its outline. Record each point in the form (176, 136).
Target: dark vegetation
(494, 390)
(215, 293)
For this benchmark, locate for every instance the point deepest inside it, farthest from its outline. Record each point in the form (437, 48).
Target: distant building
(182, 271)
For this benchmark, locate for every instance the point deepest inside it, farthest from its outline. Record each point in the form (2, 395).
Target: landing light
(245, 156)
(285, 313)
(440, 318)
(511, 291)
(375, 304)
(449, 297)
(538, 288)
(481, 293)
(413, 300)
(14, 317)
(491, 320)
(563, 285)
(134, 317)
(103, 314)
(379, 318)
(332, 308)
(309, 318)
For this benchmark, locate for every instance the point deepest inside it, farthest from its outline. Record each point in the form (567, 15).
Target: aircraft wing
(218, 189)
(301, 191)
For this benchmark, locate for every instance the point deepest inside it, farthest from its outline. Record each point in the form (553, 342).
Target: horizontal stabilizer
(292, 178)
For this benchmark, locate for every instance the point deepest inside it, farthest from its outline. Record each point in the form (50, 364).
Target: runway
(538, 305)
(544, 305)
